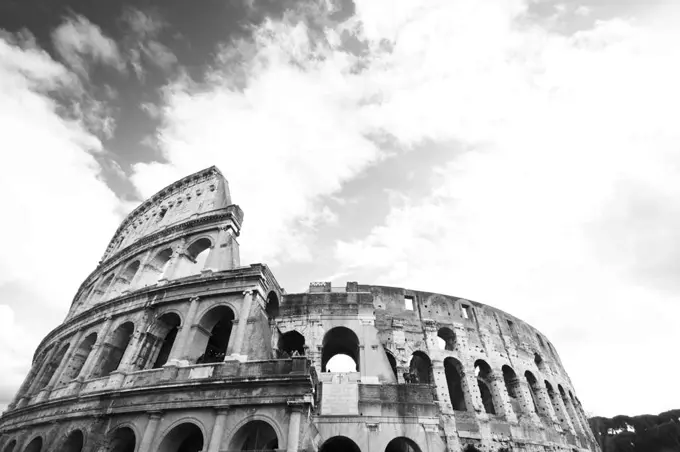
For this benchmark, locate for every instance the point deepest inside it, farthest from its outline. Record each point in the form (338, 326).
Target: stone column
(248, 297)
(64, 362)
(95, 354)
(150, 431)
(502, 398)
(218, 430)
(528, 400)
(441, 386)
(179, 349)
(28, 381)
(175, 261)
(471, 389)
(216, 257)
(43, 368)
(576, 422)
(294, 426)
(561, 412)
(544, 403)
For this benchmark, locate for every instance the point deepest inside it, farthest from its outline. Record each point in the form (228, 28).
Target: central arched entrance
(255, 435)
(212, 339)
(122, 440)
(402, 444)
(340, 341)
(339, 444)
(74, 442)
(185, 437)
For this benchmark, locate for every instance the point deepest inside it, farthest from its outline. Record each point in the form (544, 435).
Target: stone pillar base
(236, 357)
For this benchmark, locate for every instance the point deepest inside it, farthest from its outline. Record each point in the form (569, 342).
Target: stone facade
(171, 345)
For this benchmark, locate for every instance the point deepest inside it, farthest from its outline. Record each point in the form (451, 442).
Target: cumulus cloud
(59, 213)
(80, 42)
(143, 43)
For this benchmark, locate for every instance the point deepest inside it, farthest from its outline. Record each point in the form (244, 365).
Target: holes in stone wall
(408, 303)
(466, 311)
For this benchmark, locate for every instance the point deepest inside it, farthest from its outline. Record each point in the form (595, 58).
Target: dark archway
(513, 388)
(340, 341)
(454, 380)
(74, 442)
(197, 253)
(156, 269)
(114, 349)
(78, 359)
(51, 368)
(35, 445)
(393, 363)
(10, 446)
(483, 373)
(122, 440)
(255, 435)
(339, 444)
(447, 338)
(185, 437)
(212, 339)
(420, 368)
(130, 272)
(291, 343)
(533, 390)
(538, 360)
(402, 444)
(272, 305)
(168, 326)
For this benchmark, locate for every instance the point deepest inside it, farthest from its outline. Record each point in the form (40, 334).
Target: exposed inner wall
(493, 378)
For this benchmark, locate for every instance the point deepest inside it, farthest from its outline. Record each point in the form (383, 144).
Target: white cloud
(58, 212)
(143, 43)
(78, 40)
(556, 130)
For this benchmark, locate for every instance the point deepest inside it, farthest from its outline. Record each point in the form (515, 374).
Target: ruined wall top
(197, 194)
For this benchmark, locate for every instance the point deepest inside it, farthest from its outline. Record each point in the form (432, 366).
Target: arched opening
(103, 288)
(212, 339)
(51, 368)
(420, 369)
(402, 444)
(197, 253)
(35, 445)
(539, 362)
(454, 380)
(561, 416)
(446, 339)
(471, 448)
(74, 442)
(78, 359)
(10, 446)
(185, 437)
(272, 305)
(483, 373)
(122, 440)
(513, 388)
(255, 435)
(290, 344)
(392, 361)
(533, 390)
(569, 407)
(156, 269)
(114, 349)
(340, 341)
(168, 326)
(339, 444)
(130, 272)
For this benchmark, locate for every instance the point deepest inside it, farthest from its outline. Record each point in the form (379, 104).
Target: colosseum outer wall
(172, 345)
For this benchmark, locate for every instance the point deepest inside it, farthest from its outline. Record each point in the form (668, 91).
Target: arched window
(212, 339)
(534, 389)
(454, 380)
(10, 446)
(255, 435)
(167, 328)
(339, 444)
(185, 437)
(78, 359)
(392, 361)
(122, 440)
(556, 406)
(513, 388)
(156, 269)
(272, 305)
(446, 338)
(420, 368)
(197, 253)
(130, 271)
(74, 442)
(291, 343)
(340, 341)
(35, 445)
(114, 349)
(538, 359)
(103, 288)
(51, 368)
(569, 407)
(402, 444)
(483, 373)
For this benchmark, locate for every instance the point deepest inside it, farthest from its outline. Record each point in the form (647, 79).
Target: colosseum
(171, 345)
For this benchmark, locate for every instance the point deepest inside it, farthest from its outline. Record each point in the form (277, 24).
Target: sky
(520, 153)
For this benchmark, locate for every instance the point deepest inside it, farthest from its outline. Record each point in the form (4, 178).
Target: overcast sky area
(523, 154)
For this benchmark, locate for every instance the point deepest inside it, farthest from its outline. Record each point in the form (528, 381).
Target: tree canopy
(644, 433)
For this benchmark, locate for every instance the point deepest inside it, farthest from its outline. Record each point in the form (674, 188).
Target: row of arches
(138, 274)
